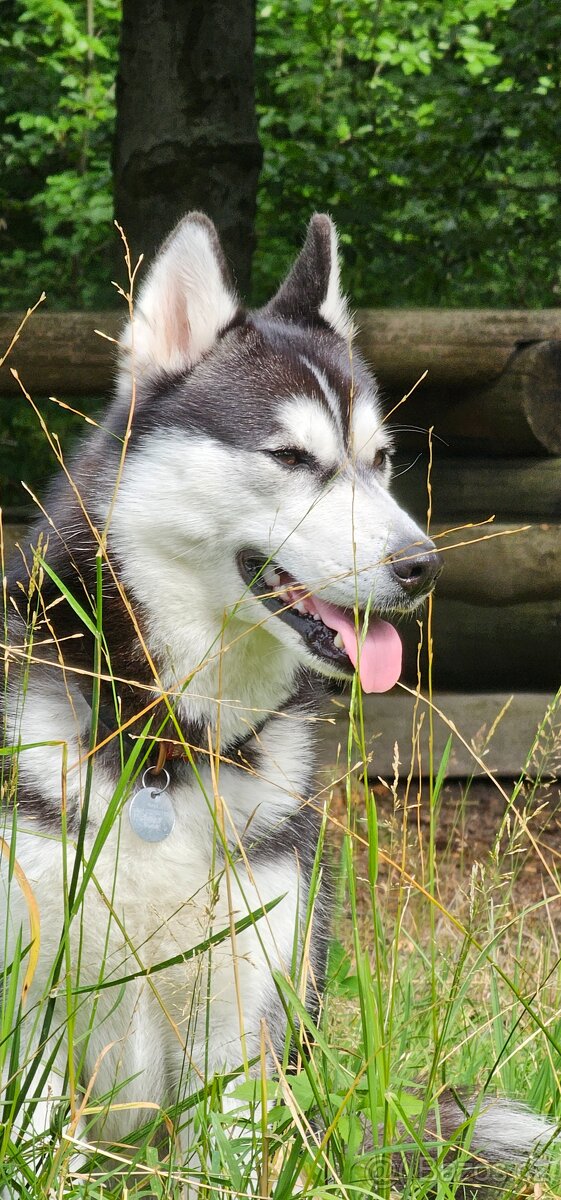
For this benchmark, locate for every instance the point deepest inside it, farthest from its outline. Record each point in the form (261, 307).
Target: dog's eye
(290, 456)
(380, 459)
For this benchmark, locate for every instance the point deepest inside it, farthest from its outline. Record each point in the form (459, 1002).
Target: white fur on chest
(149, 903)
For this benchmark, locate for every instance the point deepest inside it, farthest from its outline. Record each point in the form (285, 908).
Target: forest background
(429, 129)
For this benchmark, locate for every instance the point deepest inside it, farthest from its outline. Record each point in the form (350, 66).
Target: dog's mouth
(328, 631)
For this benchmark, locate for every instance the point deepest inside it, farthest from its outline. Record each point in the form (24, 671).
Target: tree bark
(186, 133)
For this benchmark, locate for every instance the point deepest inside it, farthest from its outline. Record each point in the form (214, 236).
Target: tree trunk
(186, 134)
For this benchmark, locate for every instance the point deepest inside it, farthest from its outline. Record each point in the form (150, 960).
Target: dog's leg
(239, 993)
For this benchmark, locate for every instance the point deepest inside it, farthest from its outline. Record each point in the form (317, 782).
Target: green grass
(426, 989)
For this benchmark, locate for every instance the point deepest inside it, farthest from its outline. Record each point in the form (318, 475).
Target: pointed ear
(312, 288)
(186, 300)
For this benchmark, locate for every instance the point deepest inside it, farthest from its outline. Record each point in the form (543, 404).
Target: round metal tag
(151, 812)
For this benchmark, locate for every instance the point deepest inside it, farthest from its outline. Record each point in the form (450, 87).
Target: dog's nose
(417, 568)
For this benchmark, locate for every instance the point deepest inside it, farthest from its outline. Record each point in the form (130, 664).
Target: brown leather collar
(168, 751)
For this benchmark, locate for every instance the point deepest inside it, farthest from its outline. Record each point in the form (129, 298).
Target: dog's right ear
(184, 303)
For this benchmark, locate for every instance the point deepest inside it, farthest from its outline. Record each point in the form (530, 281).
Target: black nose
(416, 568)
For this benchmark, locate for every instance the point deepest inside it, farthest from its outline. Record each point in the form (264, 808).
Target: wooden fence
(492, 395)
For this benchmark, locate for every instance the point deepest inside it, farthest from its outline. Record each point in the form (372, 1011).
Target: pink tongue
(380, 651)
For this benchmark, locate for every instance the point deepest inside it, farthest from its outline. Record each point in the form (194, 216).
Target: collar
(166, 751)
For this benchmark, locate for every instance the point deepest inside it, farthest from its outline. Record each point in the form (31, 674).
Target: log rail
(493, 396)
(493, 378)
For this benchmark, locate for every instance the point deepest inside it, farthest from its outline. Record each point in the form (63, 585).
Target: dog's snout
(417, 568)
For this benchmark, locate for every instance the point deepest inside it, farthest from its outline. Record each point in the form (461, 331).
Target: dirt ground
(518, 845)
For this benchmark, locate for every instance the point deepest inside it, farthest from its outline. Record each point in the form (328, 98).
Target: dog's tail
(485, 1144)
(497, 1131)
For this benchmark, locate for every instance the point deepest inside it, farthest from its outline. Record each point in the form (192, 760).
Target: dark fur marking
(304, 290)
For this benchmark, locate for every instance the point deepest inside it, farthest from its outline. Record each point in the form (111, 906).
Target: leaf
(65, 591)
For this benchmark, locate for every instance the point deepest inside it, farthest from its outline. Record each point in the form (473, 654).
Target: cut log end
(540, 381)
(518, 413)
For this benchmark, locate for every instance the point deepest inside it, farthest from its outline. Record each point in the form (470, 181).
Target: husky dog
(224, 539)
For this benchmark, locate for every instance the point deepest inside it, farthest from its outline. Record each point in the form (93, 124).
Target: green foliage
(429, 129)
(57, 105)
(22, 444)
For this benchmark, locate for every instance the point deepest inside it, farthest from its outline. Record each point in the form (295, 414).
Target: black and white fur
(221, 397)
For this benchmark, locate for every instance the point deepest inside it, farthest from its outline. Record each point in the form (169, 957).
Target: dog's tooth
(338, 642)
(316, 616)
(271, 577)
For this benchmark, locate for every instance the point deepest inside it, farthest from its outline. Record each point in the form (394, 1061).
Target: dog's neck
(218, 672)
(227, 680)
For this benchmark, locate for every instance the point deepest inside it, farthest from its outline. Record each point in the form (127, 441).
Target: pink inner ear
(184, 301)
(176, 331)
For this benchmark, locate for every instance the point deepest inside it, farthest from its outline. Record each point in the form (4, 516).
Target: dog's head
(256, 480)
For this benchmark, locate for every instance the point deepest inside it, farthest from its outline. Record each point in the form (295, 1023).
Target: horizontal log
(458, 347)
(478, 648)
(500, 564)
(394, 717)
(511, 489)
(518, 413)
(59, 352)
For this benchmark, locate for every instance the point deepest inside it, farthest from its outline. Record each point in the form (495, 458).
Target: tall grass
(433, 982)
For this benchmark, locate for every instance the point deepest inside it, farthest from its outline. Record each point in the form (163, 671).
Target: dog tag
(151, 812)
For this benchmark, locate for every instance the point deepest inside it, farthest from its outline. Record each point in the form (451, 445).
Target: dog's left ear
(312, 289)
(184, 303)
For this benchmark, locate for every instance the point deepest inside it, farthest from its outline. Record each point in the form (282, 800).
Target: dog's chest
(190, 918)
(172, 894)
(172, 917)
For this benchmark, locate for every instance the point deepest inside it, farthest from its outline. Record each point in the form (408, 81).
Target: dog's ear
(184, 303)
(312, 287)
